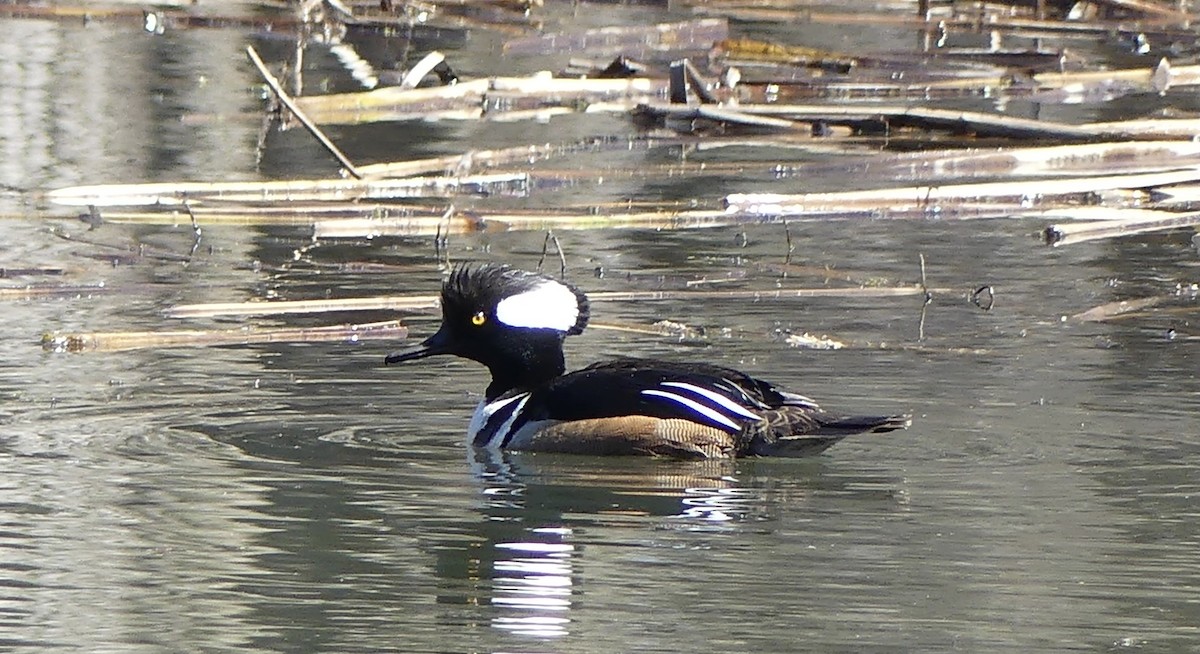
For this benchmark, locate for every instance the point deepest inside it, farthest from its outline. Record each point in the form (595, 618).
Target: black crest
(475, 287)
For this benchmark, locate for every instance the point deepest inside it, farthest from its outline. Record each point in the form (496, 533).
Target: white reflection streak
(536, 582)
(717, 504)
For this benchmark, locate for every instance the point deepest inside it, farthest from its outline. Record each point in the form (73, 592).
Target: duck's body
(514, 322)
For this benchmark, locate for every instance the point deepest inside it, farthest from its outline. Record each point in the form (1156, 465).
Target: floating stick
(1028, 194)
(1123, 222)
(122, 341)
(394, 303)
(1111, 310)
(428, 303)
(296, 190)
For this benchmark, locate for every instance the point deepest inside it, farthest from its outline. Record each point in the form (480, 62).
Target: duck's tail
(816, 433)
(848, 425)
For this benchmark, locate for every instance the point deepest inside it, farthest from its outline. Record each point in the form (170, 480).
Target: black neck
(526, 367)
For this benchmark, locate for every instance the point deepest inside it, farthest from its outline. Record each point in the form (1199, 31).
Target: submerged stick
(123, 341)
(309, 125)
(1111, 310)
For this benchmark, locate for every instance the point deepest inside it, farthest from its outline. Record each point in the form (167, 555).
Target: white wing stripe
(707, 412)
(717, 398)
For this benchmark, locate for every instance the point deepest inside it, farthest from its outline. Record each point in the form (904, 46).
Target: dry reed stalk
(1185, 196)
(766, 294)
(416, 303)
(473, 160)
(458, 223)
(1156, 78)
(170, 18)
(474, 99)
(1171, 22)
(1105, 158)
(174, 194)
(1116, 222)
(335, 108)
(1020, 197)
(123, 341)
(980, 124)
(65, 291)
(1120, 308)
(428, 303)
(893, 116)
(299, 214)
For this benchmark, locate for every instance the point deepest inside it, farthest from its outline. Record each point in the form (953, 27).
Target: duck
(515, 322)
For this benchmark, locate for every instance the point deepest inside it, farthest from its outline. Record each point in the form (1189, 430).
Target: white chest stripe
(716, 398)
(504, 434)
(486, 410)
(707, 412)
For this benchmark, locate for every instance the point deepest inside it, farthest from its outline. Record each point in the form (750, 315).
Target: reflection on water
(529, 501)
(551, 526)
(536, 583)
(531, 569)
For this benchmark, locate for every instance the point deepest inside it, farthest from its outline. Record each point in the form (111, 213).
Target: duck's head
(510, 320)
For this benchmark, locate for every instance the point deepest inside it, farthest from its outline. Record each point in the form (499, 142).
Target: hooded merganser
(514, 322)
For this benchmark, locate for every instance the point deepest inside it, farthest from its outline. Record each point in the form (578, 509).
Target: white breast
(510, 406)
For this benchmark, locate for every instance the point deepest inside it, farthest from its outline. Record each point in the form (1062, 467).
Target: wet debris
(808, 341)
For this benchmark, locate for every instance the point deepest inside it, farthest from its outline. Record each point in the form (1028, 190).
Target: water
(304, 498)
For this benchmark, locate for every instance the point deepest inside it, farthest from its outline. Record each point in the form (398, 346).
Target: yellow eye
(479, 318)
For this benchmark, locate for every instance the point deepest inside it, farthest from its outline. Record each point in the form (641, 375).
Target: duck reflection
(605, 491)
(535, 583)
(538, 509)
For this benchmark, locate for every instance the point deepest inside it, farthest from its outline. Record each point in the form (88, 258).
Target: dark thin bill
(436, 344)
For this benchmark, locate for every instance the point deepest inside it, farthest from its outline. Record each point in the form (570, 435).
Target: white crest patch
(549, 305)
